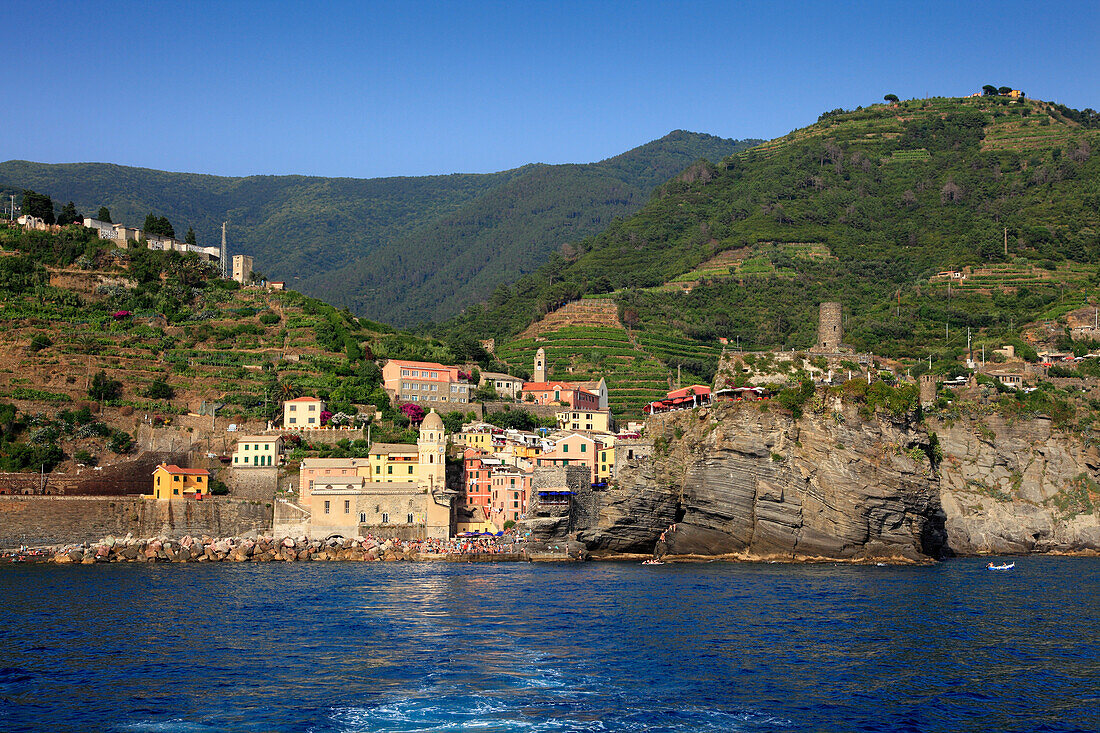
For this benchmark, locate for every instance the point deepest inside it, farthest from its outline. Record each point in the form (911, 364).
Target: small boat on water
(1009, 566)
(652, 562)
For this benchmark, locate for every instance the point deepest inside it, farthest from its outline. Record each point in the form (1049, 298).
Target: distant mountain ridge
(399, 250)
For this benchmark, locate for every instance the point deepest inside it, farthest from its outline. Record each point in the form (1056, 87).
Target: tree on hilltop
(69, 215)
(1003, 90)
(104, 214)
(989, 90)
(891, 98)
(158, 226)
(38, 205)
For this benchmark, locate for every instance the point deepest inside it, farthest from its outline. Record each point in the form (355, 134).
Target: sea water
(519, 647)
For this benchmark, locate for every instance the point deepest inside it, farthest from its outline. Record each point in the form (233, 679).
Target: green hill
(395, 249)
(863, 207)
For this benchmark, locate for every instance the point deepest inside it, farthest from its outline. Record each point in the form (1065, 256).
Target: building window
(584, 448)
(385, 519)
(565, 449)
(389, 469)
(326, 507)
(410, 519)
(362, 517)
(176, 492)
(410, 470)
(347, 506)
(378, 469)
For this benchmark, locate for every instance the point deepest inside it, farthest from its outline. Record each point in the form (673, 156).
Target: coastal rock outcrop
(753, 482)
(1017, 486)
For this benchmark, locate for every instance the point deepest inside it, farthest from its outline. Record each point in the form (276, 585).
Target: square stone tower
(830, 328)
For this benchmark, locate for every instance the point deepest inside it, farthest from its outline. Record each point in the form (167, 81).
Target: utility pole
(12, 216)
(1006, 241)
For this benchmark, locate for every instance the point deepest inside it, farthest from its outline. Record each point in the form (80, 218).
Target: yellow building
(257, 451)
(173, 482)
(394, 462)
(593, 421)
(605, 468)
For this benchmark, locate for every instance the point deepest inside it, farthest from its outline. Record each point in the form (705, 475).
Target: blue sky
(370, 89)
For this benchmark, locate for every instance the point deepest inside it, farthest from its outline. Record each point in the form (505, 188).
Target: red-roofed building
(173, 482)
(684, 398)
(303, 412)
(564, 393)
(438, 385)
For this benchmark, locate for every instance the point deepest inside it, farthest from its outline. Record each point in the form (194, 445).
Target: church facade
(400, 491)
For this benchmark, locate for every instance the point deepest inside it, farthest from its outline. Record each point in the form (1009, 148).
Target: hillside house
(427, 383)
(173, 482)
(593, 421)
(506, 386)
(257, 451)
(303, 412)
(574, 450)
(680, 399)
(567, 394)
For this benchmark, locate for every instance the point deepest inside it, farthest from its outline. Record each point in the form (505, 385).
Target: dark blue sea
(517, 647)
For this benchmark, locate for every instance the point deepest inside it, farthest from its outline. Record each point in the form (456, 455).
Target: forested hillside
(862, 207)
(374, 244)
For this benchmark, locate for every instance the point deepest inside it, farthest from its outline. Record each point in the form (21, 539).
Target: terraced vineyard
(1000, 277)
(574, 353)
(637, 365)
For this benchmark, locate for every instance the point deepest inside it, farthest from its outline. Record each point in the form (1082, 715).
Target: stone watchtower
(540, 365)
(830, 328)
(927, 390)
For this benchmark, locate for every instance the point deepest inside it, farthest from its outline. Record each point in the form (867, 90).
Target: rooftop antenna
(225, 271)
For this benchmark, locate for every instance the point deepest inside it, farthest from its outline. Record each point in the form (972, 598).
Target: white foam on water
(176, 725)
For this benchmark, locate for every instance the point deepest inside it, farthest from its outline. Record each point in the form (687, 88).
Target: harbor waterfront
(550, 647)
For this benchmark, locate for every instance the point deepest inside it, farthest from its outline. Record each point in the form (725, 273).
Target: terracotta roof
(173, 469)
(306, 399)
(421, 364)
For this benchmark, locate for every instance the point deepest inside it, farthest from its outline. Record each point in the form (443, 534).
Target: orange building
(173, 482)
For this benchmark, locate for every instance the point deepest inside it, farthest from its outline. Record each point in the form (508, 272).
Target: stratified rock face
(1015, 487)
(738, 479)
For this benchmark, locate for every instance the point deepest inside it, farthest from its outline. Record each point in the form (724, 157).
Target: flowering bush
(414, 412)
(119, 315)
(325, 417)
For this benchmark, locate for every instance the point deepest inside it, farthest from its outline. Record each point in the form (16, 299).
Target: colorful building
(510, 487)
(257, 451)
(173, 482)
(594, 421)
(560, 393)
(574, 450)
(423, 382)
(303, 412)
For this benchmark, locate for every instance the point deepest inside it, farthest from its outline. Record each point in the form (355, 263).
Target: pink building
(510, 488)
(565, 393)
(573, 450)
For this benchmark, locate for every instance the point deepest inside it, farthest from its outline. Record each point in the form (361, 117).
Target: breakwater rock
(749, 481)
(260, 549)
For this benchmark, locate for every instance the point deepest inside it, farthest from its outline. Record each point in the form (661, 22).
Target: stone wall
(120, 479)
(258, 484)
(51, 520)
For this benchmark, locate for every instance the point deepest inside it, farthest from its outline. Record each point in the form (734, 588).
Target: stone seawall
(54, 520)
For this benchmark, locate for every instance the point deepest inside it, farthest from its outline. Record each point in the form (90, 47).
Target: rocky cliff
(748, 480)
(1017, 486)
